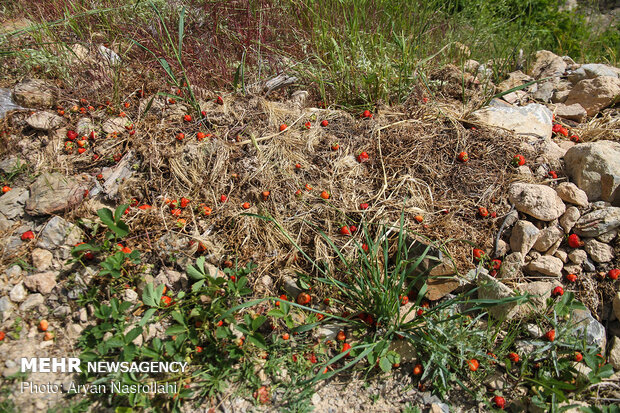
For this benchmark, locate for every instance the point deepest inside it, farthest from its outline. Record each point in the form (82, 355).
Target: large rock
(547, 64)
(523, 237)
(595, 94)
(531, 120)
(598, 222)
(586, 325)
(44, 121)
(35, 93)
(12, 203)
(540, 292)
(515, 79)
(511, 266)
(538, 201)
(491, 289)
(84, 127)
(616, 305)
(569, 192)
(57, 233)
(114, 125)
(614, 354)
(41, 259)
(43, 282)
(546, 265)
(595, 168)
(577, 256)
(598, 251)
(569, 218)
(547, 238)
(53, 193)
(591, 71)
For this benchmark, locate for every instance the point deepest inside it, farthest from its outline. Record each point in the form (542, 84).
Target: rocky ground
(559, 223)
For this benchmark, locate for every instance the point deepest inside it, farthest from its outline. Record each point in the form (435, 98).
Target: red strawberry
(6, 189)
(571, 278)
(366, 114)
(167, 300)
(550, 335)
(100, 176)
(365, 247)
(345, 230)
(346, 348)
(364, 205)
(553, 175)
(335, 147)
(308, 125)
(419, 218)
(223, 198)
(514, 357)
(219, 100)
(303, 298)
(417, 370)
(478, 254)
(574, 241)
(493, 214)
(72, 135)
(2, 335)
(184, 202)
(557, 291)
(574, 138)
(463, 156)
(27, 235)
(518, 160)
(496, 264)
(473, 364)
(578, 356)
(245, 205)
(613, 274)
(180, 136)
(556, 128)
(187, 118)
(325, 195)
(564, 131)
(483, 212)
(200, 136)
(353, 228)
(324, 123)
(265, 195)
(283, 127)
(298, 165)
(81, 150)
(403, 300)
(499, 402)
(362, 157)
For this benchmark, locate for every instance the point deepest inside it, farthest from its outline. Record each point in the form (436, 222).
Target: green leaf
(119, 211)
(174, 330)
(166, 66)
(258, 321)
(197, 286)
(385, 364)
(258, 340)
(129, 337)
(106, 216)
(222, 332)
(178, 317)
(147, 315)
(181, 30)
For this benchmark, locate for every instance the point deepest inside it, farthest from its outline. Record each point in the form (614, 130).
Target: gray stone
(57, 233)
(547, 238)
(502, 248)
(595, 94)
(598, 222)
(546, 265)
(569, 192)
(43, 282)
(6, 308)
(34, 93)
(538, 201)
(33, 300)
(53, 193)
(608, 236)
(130, 295)
(495, 381)
(540, 291)
(74, 331)
(598, 251)
(577, 256)
(84, 127)
(291, 288)
(13, 271)
(327, 331)
(173, 279)
(595, 168)
(573, 269)
(18, 293)
(531, 120)
(12, 203)
(574, 112)
(44, 121)
(588, 266)
(614, 354)
(569, 218)
(545, 91)
(114, 125)
(109, 56)
(592, 70)
(523, 237)
(515, 79)
(547, 64)
(41, 259)
(491, 289)
(561, 254)
(586, 325)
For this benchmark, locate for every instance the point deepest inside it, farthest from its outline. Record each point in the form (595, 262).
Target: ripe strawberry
(417, 370)
(478, 254)
(578, 356)
(298, 192)
(514, 357)
(473, 364)
(283, 127)
(483, 212)
(308, 187)
(27, 235)
(167, 300)
(341, 336)
(187, 118)
(200, 136)
(219, 100)
(6, 189)
(419, 218)
(262, 395)
(557, 291)
(335, 147)
(2, 335)
(48, 336)
(518, 160)
(303, 298)
(100, 176)
(365, 247)
(574, 138)
(493, 214)
(122, 114)
(364, 205)
(298, 165)
(325, 195)
(403, 299)
(308, 125)
(556, 128)
(550, 335)
(362, 157)
(564, 131)
(613, 274)
(553, 175)
(223, 198)
(72, 135)
(175, 212)
(286, 336)
(180, 136)
(574, 241)
(496, 264)
(126, 104)
(245, 205)
(203, 113)
(198, 349)
(184, 202)
(366, 114)
(282, 297)
(571, 278)
(346, 348)
(499, 402)
(81, 150)
(344, 230)
(324, 123)
(43, 325)
(463, 156)
(265, 195)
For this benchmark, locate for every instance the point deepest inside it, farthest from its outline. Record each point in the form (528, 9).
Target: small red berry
(219, 100)
(578, 356)
(463, 156)
(483, 212)
(283, 127)
(557, 291)
(518, 160)
(362, 157)
(27, 235)
(364, 205)
(574, 241)
(571, 278)
(473, 364)
(187, 118)
(344, 230)
(324, 123)
(514, 357)
(550, 335)
(223, 198)
(499, 402)
(180, 136)
(613, 274)
(308, 125)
